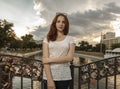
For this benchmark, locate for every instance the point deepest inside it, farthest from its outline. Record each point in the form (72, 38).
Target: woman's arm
(47, 66)
(61, 59)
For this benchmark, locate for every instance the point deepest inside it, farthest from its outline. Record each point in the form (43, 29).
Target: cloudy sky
(88, 18)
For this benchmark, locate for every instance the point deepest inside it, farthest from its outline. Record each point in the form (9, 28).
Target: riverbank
(97, 54)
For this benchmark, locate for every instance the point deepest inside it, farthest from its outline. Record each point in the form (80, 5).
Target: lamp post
(101, 43)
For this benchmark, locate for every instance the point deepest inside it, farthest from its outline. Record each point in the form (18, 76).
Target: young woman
(58, 51)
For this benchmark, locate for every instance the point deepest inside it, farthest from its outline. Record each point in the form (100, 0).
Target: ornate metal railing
(11, 66)
(94, 75)
(97, 75)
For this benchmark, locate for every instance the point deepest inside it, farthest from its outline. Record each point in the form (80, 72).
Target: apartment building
(109, 38)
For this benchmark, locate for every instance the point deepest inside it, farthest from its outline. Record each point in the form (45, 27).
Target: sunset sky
(88, 18)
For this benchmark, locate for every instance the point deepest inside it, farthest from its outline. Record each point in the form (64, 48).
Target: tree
(97, 48)
(31, 45)
(117, 45)
(27, 39)
(15, 44)
(84, 46)
(7, 34)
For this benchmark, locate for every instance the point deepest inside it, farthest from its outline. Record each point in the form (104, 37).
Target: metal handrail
(95, 72)
(85, 75)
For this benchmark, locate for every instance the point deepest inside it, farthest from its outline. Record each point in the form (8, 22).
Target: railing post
(31, 83)
(42, 78)
(10, 80)
(21, 75)
(79, 78)
(89, 75)
(115, 72)
(72, 74)
(31, 77)
(0, 76)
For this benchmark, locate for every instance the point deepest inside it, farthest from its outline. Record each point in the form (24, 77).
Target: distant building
(112, 53)
(109, 38)
(108, 35)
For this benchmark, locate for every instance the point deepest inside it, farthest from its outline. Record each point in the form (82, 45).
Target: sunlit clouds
(116, 26)
(22, 14)
(38, 7)
(88, 18)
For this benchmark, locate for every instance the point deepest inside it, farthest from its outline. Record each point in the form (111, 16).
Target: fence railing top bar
(22, 57)
(104, 59)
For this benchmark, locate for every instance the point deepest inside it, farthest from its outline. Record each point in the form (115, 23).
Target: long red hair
(52, 34)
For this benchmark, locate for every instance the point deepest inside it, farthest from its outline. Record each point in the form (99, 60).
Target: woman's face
(60, 23)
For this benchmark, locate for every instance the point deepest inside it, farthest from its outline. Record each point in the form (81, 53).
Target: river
(17, 83)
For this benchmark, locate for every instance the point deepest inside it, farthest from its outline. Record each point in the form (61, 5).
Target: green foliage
(85, 46)
(27, 37)
(32, 45)
(117, 45)
(7, 34)
(8, 37)
(15, 44)
(28, 41)
(99, 48)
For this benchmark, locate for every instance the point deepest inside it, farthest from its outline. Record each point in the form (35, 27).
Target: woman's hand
(51, 84)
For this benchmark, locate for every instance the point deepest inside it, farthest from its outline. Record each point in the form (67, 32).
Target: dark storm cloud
(83, 21)
(40, 32)
(113, 8)
(93, 21)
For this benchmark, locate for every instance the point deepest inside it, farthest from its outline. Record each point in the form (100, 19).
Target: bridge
(86, 76)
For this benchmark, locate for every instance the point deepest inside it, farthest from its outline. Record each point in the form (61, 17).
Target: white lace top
(57, 49)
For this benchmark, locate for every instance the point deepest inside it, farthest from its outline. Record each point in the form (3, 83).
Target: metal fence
(86, 76)
(11, 66)
(100, 74)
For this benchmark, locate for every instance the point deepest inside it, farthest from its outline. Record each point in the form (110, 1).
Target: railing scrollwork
(19, 66)
(98, 70)
(87, 74)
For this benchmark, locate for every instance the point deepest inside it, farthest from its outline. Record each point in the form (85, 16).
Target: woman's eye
(63, 22)
(60, 21)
